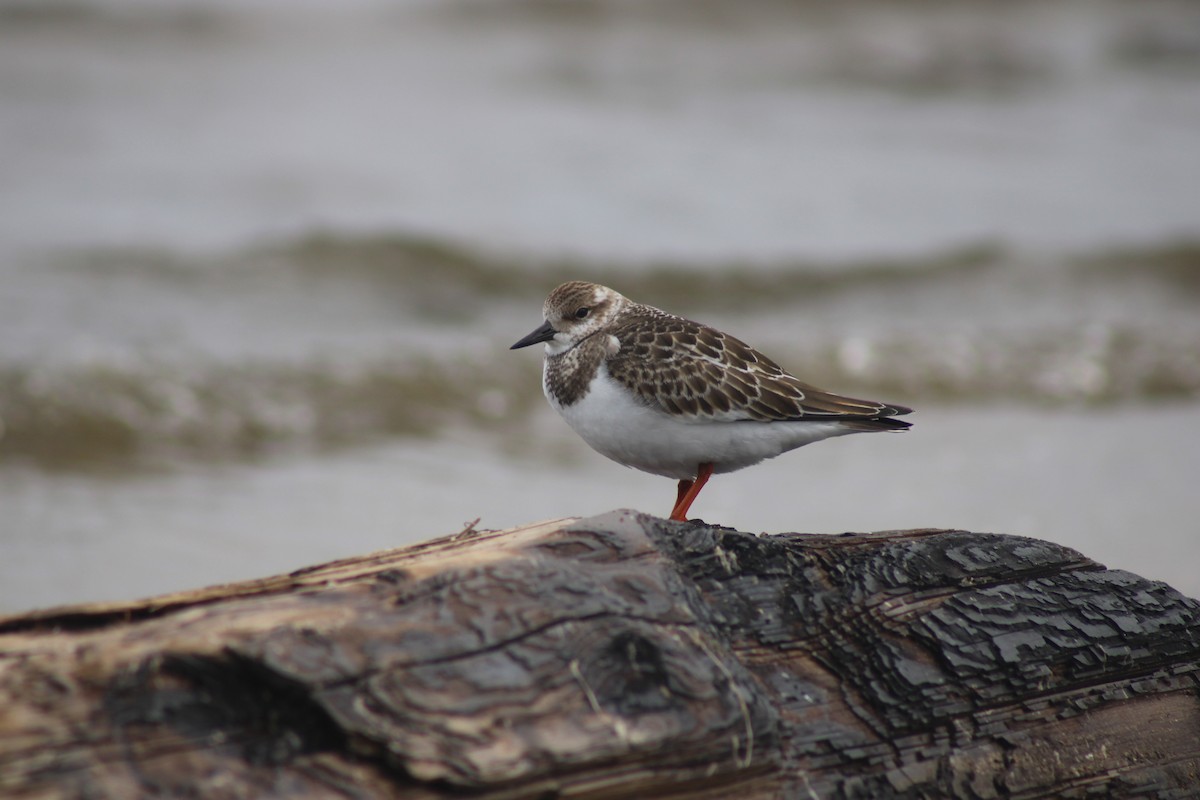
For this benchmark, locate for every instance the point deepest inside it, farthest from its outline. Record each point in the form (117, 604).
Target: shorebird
(677, 398)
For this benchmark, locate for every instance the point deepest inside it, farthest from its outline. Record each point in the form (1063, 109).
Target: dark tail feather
(878, 424)
(883, 422)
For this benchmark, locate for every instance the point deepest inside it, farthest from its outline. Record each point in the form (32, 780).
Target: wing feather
(700, 373)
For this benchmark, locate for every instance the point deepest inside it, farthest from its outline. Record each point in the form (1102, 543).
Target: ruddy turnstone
(673, 397)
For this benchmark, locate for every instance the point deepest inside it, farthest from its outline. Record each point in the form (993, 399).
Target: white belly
(616, 425)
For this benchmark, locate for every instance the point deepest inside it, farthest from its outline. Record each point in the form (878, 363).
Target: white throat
(559, 345)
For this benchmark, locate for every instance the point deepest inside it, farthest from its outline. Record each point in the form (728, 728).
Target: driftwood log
(621, 656)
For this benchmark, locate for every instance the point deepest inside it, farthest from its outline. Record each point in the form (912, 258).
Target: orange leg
(684, 486)
(688, 491)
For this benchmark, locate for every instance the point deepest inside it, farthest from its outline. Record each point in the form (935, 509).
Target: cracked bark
(621, 656)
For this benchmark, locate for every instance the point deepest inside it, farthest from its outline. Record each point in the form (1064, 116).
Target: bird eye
(582, 312)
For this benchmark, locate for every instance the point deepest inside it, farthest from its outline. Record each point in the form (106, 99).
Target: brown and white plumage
(674, 397)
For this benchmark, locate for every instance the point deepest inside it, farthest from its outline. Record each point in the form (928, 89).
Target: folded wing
(700, 373)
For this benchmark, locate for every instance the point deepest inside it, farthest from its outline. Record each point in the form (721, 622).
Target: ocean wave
(1175, 264)
(125, 409)
(432, 265)
(426, 267)
(979, 323)
(101, 412)
(1089, 365)
(115, 17)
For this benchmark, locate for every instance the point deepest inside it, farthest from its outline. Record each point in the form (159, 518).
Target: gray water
(260, 263)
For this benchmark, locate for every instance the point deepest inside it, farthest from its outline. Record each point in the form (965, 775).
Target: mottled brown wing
(686, 368)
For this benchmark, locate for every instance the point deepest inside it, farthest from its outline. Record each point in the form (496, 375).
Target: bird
(678, 398)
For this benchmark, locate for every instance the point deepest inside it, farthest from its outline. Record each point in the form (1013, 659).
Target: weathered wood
(621, 656)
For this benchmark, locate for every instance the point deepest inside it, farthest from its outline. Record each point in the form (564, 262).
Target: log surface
(621, 656)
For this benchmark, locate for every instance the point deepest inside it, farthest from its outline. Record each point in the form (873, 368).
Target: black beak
(543, 334)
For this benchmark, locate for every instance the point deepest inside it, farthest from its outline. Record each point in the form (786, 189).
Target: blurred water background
(261, 261)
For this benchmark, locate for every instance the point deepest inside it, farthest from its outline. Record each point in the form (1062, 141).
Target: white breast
(617, 425)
